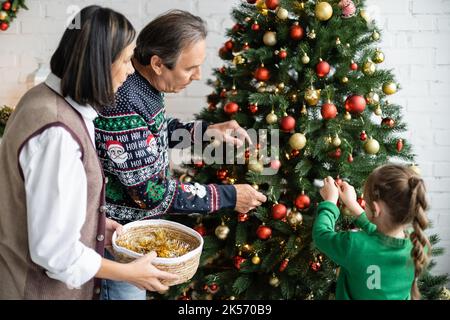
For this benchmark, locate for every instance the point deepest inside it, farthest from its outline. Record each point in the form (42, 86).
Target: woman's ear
(157, 64)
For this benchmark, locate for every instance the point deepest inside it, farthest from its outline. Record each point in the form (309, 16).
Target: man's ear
(157, 64)
(377, 210)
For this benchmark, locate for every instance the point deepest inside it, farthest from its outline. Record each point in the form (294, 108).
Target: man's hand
(230, 132)
(247, 198)
(110, 227)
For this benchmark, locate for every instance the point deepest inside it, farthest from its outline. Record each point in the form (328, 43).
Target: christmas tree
(311, 70)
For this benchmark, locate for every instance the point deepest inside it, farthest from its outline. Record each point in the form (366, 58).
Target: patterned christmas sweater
(132, 140)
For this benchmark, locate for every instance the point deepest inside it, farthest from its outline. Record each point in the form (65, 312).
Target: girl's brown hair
(403, 191)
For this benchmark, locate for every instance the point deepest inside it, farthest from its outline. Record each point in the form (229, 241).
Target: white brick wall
(416, 41)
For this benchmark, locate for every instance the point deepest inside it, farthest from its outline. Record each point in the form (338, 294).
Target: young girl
(383, 260)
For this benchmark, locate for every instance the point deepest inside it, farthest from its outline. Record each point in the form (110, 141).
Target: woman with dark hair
(53, 229)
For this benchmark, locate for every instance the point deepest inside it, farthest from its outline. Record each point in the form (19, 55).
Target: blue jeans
(120, 290)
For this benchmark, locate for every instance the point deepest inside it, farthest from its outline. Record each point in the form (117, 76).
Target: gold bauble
(281, 86)
(274, 281)
(282, 13)
(372, 146)
(222, 232)
(256, 166)
(270, 38)
(378, 57)
(378, 111)
(416, 169)
(336, 141)
(297, 141)
(246, 248)
(294, 218)
(272, 118)
(338, 41)
(304, 111)
(344, 80)
(375, 36)
(366, 16)
(373, 98)
(261, 5)
(328, 140)
(238, 59)
(348, 116)
(256, 260)
(324, 11)
(231, 180)
(3, 15)
(369, 68)
(389, 88)
(305, 59)
(312, 96)
(255, 186)
(185, 178)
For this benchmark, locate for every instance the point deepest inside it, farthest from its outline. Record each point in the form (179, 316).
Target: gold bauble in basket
(181, 246)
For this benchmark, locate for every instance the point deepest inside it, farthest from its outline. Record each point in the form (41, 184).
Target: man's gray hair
(167, 36)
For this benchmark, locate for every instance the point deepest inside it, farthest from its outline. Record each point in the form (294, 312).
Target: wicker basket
(184, 266)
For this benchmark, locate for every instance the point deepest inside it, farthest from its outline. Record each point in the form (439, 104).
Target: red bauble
(363, 136)
(251, 1)
(7, 6)
(238, 260)
(272, 4)
(223, 93)
(264, 232)
(295, 153)
(329, 111)
(246, 47)
(253, 108)
(296, 32)
(399, 145)
(336, 153)
(284, 265)
(322, 69)
(354, 66)
(231, 108)
(287, 123)
(222, 174)
(262, 74)
(350, 158)
(229, 45)
(302, 202)
(237, 27)
(355, 104)
(214, 287)
(279, 211)
(362, 203)
(242, 217)
(200, 229)
(184, 297)
(315, 266)
(275, 164)
(4, 26)
(282, 54)
(224, 53)
(222, 70)
(255, 27)
(388, 122)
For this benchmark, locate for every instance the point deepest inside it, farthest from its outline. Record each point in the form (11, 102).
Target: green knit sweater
(373, 266)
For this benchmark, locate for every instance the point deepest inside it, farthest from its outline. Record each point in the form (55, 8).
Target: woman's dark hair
(404, 193)
(86, 52)
(167, 36)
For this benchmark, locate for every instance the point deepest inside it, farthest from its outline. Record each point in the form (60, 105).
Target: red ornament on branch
(315, 266)
(7, 6)
(355, 104)
(388, 122)
(231, 108)
(399, 145)
(354, 66)
(336, 154)
(328, 111)
(4, 26)
(272, 4)
(255, 26)
(238, 260)
(200, 229)
(322, 69)
(279, 211)
(282, 54)
(251, 1)
(264, 232)
(287, 123)
(229, 45)
(275, 164)
(363, 136)
(284, 265)
(350, 158)
(243, 217)
(262, 74)
(253, 108)
(222, 174)
(296, 32)
(302, 202)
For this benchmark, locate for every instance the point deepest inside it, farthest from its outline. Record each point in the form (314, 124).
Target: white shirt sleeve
(56, 192)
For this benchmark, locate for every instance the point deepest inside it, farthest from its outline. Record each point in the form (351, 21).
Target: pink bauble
(348, 8)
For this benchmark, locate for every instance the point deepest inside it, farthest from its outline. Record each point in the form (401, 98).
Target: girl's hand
(347, 194)
(330, 191)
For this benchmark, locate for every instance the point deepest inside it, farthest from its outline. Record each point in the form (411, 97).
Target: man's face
(187, 69)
